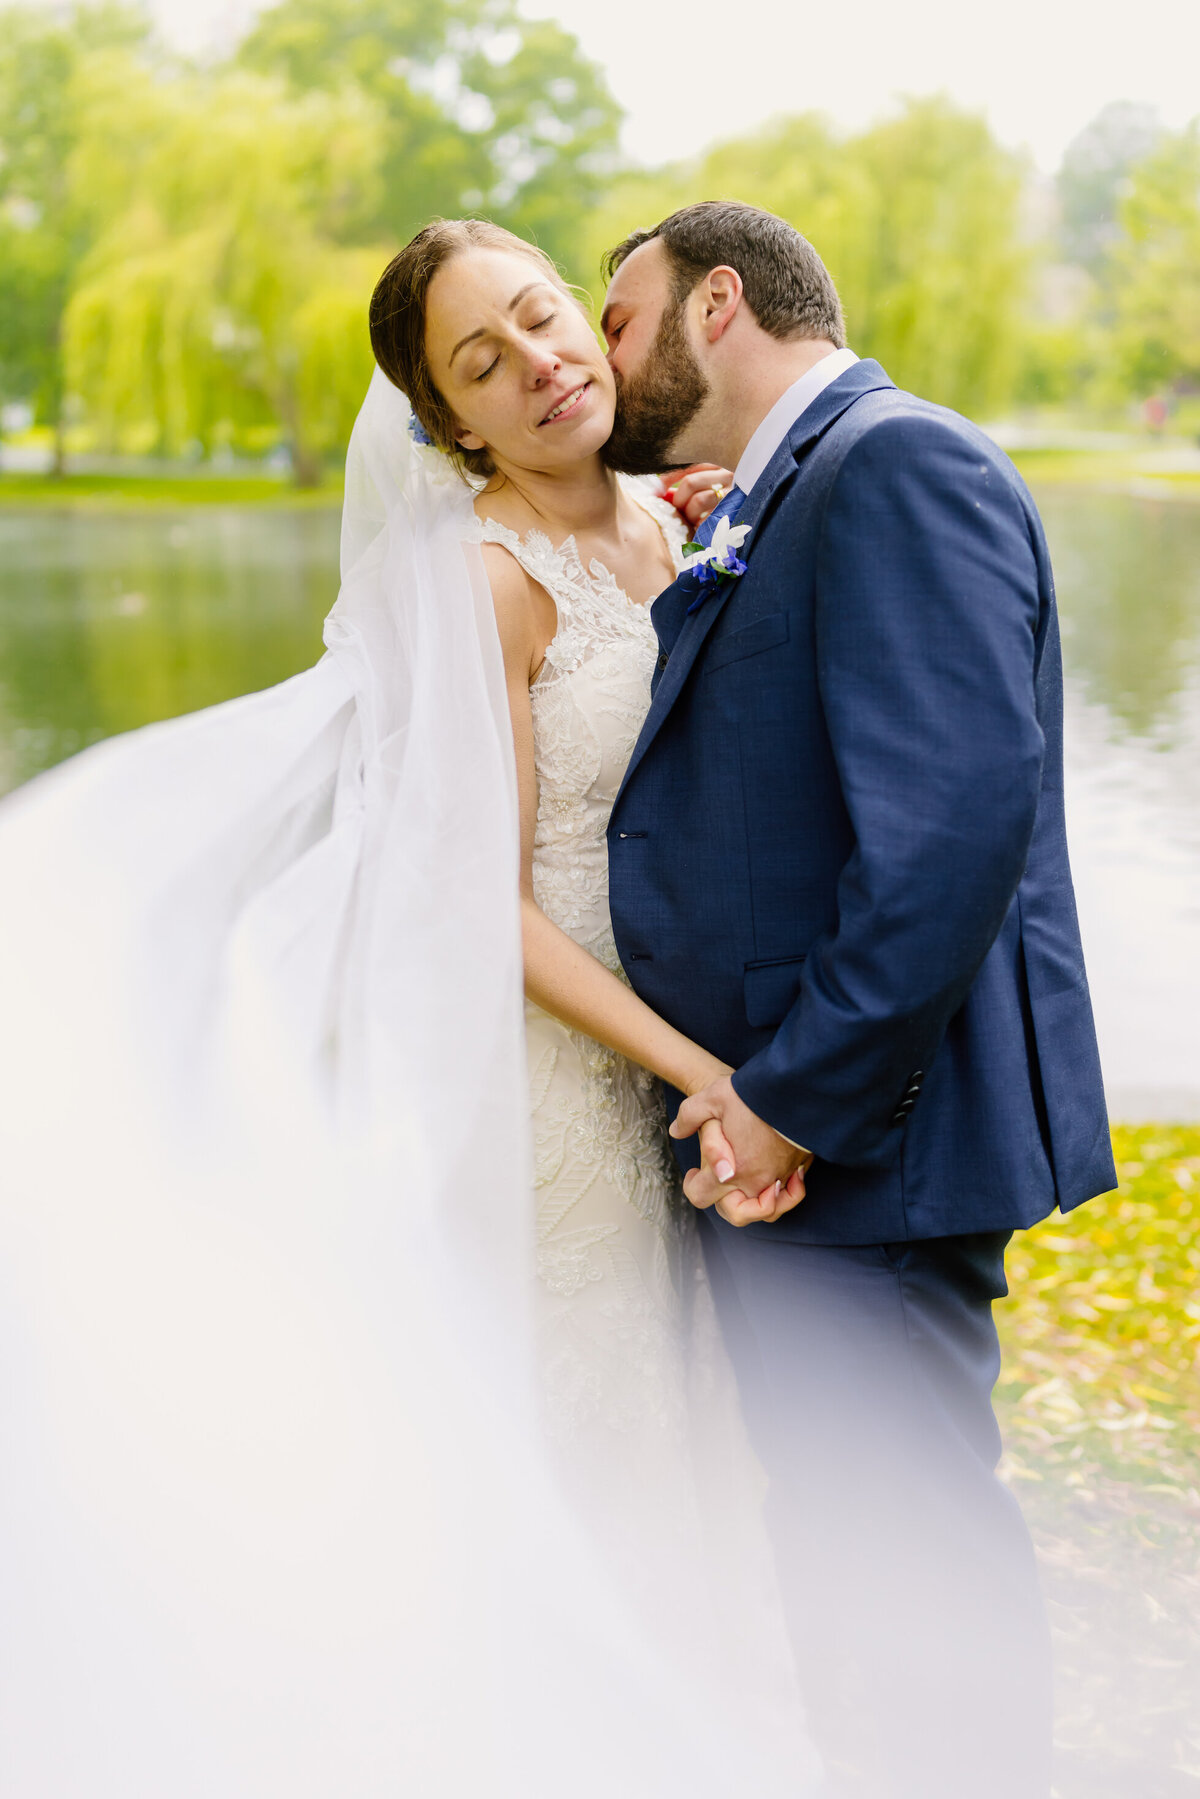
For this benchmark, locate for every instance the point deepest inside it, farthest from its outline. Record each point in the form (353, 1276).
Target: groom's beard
(658, 402)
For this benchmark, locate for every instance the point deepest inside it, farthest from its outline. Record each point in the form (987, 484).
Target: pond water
(110, 620)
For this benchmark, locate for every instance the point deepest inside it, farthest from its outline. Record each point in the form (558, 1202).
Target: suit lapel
(682, 636)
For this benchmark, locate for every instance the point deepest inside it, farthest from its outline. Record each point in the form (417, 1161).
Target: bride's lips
(567, 406)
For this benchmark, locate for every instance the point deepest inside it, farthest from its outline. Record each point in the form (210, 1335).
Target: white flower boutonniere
(718, 560)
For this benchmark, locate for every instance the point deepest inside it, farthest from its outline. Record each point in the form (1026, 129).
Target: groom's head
(697, 309)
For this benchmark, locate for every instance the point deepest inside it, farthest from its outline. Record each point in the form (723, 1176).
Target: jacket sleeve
(927, 610)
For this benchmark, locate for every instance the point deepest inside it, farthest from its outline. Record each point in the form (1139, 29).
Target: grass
(1100, 1404)
(120, 492)
(1102, 1333)
(1127, 471)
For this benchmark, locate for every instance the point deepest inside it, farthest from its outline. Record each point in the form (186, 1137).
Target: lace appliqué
(611, 1224)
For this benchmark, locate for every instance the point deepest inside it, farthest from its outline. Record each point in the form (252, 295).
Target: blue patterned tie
(728, 506)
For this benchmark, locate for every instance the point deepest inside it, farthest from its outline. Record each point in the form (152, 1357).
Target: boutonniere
(718, 560)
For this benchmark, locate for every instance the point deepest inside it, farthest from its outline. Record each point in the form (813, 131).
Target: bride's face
(515, 359)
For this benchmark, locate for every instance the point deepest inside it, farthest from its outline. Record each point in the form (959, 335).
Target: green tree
(1156, 267)
(43, 231)
(943, 266)
(483, 111)
(218, 295)
(917, 220)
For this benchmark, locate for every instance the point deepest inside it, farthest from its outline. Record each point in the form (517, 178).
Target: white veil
(273, 1514)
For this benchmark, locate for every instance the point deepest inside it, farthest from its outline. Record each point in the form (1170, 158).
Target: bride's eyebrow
(482, 331)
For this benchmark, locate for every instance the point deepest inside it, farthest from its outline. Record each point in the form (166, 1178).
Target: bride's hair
(397, 318)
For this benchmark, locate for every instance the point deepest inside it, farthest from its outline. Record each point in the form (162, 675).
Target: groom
(838, 860)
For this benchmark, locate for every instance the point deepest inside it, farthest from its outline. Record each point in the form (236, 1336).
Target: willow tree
(43, 231)
(220, 294)
(918, 220)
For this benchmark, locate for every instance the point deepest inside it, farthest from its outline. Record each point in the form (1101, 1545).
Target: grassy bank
(1100, 1405)
(1147, 472)
(115, 492)
(1138, 473)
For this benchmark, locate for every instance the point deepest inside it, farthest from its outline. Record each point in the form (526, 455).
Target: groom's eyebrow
(482, 331)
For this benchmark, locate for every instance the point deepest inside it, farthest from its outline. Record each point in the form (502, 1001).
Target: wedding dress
(276, 1508)
(631, 1372)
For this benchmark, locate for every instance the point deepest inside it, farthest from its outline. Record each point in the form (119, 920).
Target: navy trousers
(866, 1375)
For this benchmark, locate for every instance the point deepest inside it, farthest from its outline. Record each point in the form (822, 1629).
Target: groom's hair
(787, 286)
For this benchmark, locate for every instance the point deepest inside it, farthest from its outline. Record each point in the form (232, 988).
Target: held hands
(749, 1172)
(694, 492)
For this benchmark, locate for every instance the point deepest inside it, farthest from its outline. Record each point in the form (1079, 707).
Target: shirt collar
(786, 410)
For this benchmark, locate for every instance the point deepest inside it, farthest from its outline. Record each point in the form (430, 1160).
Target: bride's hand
(739, 1207)
(694, 492)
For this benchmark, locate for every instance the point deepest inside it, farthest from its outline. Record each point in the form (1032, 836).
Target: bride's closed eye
(538, 325)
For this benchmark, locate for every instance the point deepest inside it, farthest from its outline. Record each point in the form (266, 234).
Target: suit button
(898, 1116)
(662, 660)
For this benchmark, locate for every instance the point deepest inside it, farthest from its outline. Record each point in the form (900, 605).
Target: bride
(276, 1513)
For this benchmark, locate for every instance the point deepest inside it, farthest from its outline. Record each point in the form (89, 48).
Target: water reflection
(111, 620)
(1128, 576)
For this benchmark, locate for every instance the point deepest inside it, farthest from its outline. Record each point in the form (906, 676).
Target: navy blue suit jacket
(838, 859)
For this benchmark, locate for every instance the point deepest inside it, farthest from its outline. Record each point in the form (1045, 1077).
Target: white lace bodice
(609, 1224)
(589, 703)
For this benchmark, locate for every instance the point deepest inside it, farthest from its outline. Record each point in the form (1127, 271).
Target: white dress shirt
(786, 410)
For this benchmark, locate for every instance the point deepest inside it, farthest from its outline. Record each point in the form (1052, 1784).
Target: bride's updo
(398, 321)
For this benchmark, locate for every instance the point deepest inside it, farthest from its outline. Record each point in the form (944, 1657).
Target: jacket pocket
(764, 634)
(771, 988)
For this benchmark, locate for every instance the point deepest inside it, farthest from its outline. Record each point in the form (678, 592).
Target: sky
(690, 72)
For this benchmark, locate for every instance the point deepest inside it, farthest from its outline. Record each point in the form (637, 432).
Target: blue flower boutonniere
(718, 560)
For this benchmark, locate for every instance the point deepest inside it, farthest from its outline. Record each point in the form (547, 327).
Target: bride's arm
(560, 975)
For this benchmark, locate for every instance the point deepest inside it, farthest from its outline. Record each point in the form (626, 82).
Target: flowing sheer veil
(273, 1514)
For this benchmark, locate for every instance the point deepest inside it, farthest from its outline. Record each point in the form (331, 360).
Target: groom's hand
(762, 1181)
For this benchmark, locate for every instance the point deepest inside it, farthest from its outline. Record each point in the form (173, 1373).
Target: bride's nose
(543, 364)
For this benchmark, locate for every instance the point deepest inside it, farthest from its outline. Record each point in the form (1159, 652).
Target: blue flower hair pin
(417, 431)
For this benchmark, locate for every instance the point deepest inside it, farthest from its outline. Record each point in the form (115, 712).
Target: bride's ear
(469, 440)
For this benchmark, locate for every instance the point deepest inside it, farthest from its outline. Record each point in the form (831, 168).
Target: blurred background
(195, 201)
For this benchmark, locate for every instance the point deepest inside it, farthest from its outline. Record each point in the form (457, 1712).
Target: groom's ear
(720, 295)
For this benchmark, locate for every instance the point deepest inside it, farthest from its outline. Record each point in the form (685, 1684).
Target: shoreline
(1136, 474)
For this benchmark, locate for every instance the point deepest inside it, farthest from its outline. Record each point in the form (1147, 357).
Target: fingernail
(724, 1171)
(778, 1187)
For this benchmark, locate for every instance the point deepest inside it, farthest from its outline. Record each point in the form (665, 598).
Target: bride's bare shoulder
(526, 616)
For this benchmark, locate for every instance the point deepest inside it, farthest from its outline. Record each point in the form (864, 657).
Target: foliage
(483, 111)
(917, 220)
(1102, 1333)
(191, 252)
(211, 295)
(186, 254)
(43, 231)
(1157, 267)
